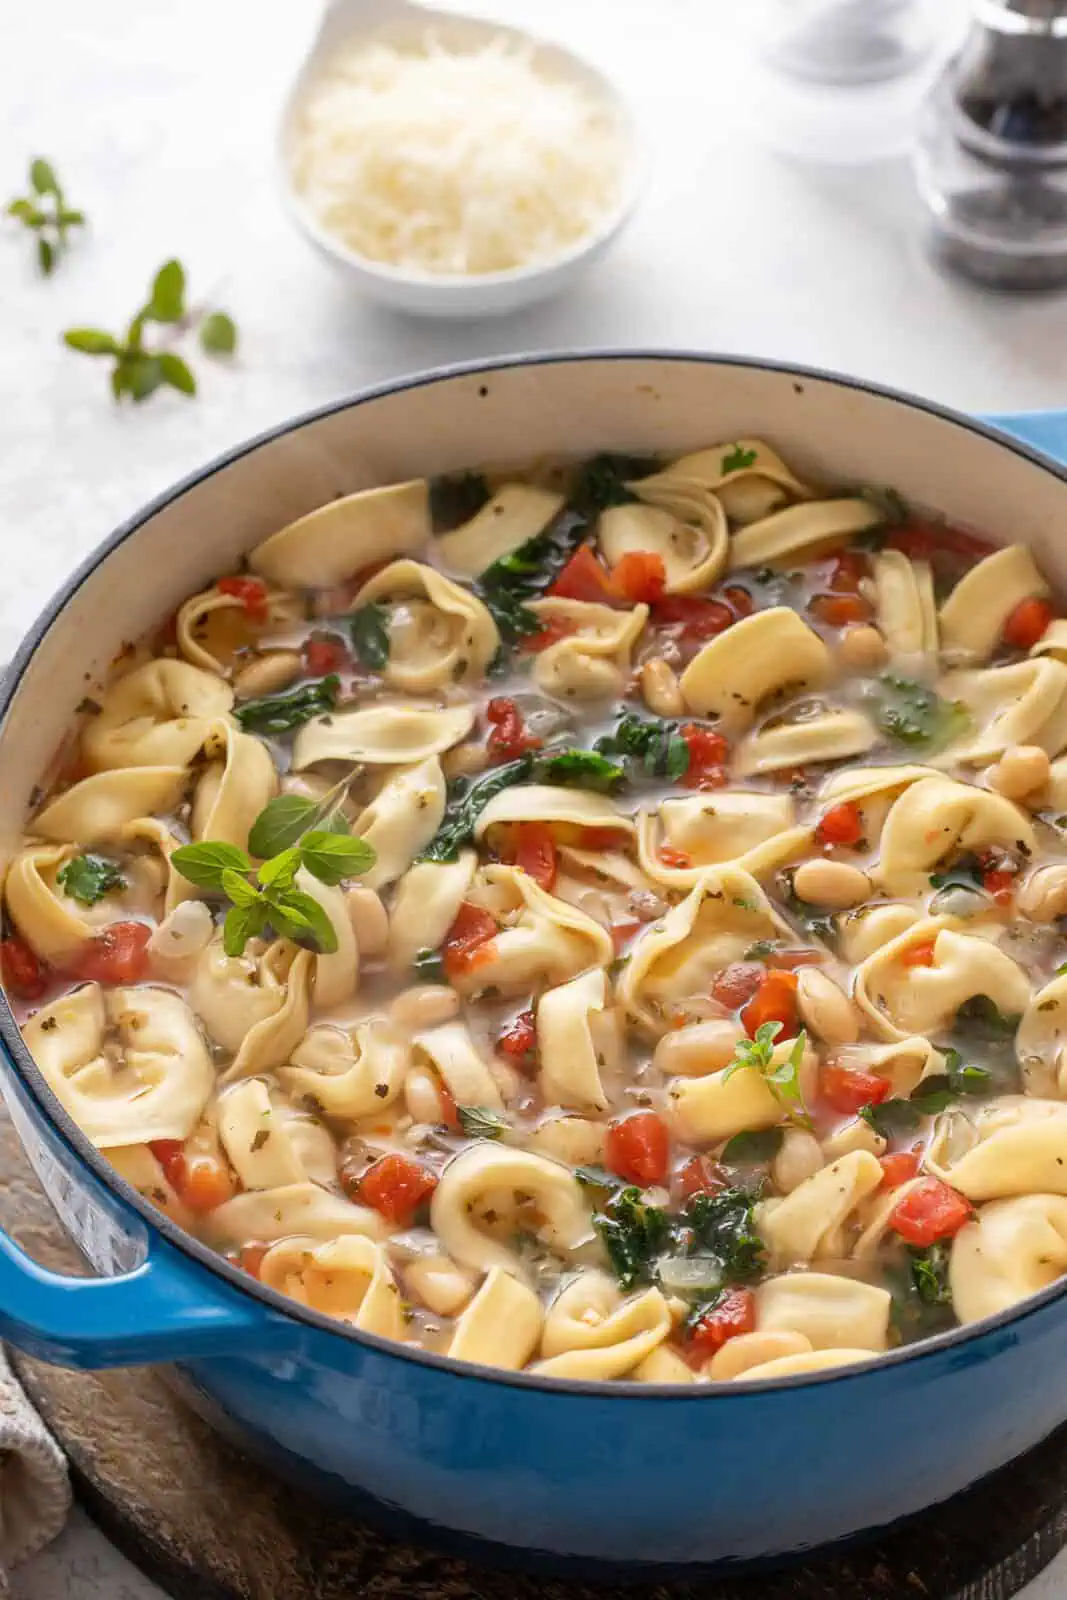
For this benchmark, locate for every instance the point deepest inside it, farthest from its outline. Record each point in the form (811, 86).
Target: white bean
(369, 919)
(268, 673)
(702, 1047)
(833, 884)
(1020, 772)
(575, 1140)
(424, 1006)
(659, 686)
(465, 761)
(825, 1009)
(799, 1158)
(862, 648)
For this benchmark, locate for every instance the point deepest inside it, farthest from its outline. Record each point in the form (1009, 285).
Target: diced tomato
(708, 751)
(700, 1175)
(674, 858)
(900, 1166)
(638, 1149)
(700, 619)
(736, 984)
(790, 960)
(622, 933)
(849, 569)
(583, 578)
(24, 973)
(918, 955)
(733, 1313)
(929, 1212)
(1027, 623)
(397, 1186)
(535, 853)
(842, 825)
(922, 542)
(206, 1183)
(641, 577)
(774, 1001)
(838, 610)
(250, 1259)
(252, 593)
(550, 634)
(468, 939)
(1000, 883)
(508, 738)
(739, 600)
(118, 955)
(848, 1089)
(606, 838)
(201, 1181)
(519, 1037)
(323, 656)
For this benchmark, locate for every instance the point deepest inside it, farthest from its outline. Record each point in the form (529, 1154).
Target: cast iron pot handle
(167, 1309)
(170, 1308)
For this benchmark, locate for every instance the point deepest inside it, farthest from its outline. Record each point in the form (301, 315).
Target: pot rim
(80, 1147)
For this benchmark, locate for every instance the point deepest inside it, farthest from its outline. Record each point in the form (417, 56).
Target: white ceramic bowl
(432, 294)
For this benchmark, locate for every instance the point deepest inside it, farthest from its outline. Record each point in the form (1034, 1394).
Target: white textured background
(160, 115)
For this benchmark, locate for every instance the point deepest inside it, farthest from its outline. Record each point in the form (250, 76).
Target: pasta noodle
(605, 920)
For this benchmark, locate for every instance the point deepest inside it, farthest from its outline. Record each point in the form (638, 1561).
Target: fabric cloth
(34, 1486)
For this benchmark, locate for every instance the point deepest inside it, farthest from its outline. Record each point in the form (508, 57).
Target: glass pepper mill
(841, 81)
(991, 161)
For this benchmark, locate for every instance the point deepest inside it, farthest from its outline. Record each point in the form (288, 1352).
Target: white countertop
(160, 120)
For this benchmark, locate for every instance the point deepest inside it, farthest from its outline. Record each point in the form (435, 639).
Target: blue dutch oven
(622, 1473)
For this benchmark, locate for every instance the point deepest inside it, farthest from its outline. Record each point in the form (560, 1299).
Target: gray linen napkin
(34, 1487)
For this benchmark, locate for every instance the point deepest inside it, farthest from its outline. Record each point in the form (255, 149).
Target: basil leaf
(752, 1148)
(330, 857)
(369, 628)
(585, 769)
(514, 621)
(89, 878)
(737, 459)
(241, 924)
(205, 863)
(281, 870)
(482, 1122)
(653, 749)
(913, 715)
(462, 813)
(238, 889)
(280, 824)
(308, 916)
(281, 713)
(218, 334)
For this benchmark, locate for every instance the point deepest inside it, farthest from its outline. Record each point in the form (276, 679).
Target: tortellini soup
(603, 920)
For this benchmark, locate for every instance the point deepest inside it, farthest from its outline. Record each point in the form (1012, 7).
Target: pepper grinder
(842, 81)
(991, 162)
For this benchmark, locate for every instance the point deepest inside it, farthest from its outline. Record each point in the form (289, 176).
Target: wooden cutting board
(208, 1525)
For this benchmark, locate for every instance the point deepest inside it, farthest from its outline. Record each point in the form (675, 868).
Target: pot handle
(1045, 430)
(167, 1309)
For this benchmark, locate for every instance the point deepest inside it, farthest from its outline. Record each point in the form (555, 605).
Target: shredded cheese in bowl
(455, 162)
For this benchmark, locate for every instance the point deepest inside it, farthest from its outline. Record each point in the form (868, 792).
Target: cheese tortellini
(606, 920)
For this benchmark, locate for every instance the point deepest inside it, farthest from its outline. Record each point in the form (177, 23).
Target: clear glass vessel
(991, 162)
(846, 41)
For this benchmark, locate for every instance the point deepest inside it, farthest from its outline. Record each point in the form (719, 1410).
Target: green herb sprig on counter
(281, 713)
(138, 369)
(45, 212)
(88, 878)
(267, 896)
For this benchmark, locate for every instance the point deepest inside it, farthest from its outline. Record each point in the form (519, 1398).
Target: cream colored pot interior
(824, 429)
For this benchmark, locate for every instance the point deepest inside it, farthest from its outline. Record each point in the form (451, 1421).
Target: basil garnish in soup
(914, 715)
(89, 878)
(281, 713)
(652, 749)
(369, 628)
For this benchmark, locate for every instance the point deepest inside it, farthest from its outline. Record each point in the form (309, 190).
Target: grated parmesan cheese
(450, 163)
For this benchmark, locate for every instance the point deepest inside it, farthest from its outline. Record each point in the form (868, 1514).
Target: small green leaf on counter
(738, 459)
(482, 1122)
(281, 713)
(218, 334)
(46, 214)
(369, 628)
(89, 878)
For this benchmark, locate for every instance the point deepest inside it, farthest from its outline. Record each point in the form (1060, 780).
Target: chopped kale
(651, 749)
(723, 1225)
(633, 1234)
(281, 713)
(602, 482)
(455, 500)
(369, 627)
(465, 806)
(584, 769)
(929, 1273)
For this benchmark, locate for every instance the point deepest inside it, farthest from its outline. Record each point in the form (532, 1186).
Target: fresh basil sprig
(738, 459)
(784, 1080)
(281, 713)
(46, 213)
(139, 371)
(267, 896)
(89, 878)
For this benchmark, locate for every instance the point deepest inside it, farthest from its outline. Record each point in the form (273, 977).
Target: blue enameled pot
(620, 1473)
